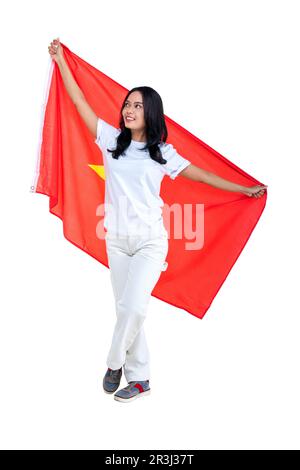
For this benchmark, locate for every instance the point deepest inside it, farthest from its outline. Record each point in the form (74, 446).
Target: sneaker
(111, 380)
(133, 390)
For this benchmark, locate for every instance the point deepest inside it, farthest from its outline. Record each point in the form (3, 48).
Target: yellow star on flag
(99, 169)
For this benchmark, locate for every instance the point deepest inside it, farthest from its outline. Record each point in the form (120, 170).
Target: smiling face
(133, 114)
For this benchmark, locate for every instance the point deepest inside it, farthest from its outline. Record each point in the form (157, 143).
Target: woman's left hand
(254, 191)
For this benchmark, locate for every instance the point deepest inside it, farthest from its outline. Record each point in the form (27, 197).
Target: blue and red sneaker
(133, 390)
(111, 380)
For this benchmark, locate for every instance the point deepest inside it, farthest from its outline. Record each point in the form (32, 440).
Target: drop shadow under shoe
(111, 380)
(133, 390)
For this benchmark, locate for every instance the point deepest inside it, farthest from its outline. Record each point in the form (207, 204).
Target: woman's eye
(137, 105)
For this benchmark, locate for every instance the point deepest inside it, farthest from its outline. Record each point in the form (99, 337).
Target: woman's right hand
(55, 50)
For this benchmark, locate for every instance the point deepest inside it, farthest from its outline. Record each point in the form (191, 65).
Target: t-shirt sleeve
(105, 132)
(175, 162)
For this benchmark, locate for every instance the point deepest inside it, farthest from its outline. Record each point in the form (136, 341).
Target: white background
(227, 71)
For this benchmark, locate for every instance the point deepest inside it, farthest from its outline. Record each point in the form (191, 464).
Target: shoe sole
(126, 400)
(109, 393)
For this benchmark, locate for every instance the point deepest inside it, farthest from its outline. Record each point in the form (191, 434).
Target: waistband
(141, 236)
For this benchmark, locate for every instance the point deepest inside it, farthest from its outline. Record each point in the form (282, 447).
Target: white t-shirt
(133, 205)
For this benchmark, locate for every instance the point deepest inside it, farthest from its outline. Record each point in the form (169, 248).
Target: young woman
(136, 158)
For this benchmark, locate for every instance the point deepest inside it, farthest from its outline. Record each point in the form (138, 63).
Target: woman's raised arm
(86, 112)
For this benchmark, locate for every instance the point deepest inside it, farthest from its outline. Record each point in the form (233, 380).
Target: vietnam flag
(70, 171)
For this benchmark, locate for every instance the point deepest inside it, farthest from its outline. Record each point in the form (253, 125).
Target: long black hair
(156, 129)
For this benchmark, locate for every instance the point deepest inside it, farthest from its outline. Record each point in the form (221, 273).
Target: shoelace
(114, 373)
(132, 385)
(129, 386)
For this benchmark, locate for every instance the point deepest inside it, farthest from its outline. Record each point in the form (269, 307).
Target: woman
(136, 158)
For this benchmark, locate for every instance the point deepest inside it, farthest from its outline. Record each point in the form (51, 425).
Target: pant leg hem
(130, 379)
(113, 366)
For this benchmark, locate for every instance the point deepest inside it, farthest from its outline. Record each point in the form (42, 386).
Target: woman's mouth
(129, 119)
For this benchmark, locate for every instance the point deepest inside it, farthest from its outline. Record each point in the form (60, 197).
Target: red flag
(70, 171)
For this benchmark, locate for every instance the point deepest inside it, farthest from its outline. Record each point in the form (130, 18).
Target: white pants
(135, 264)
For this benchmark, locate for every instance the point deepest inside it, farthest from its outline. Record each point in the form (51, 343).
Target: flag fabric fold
(70, 171)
